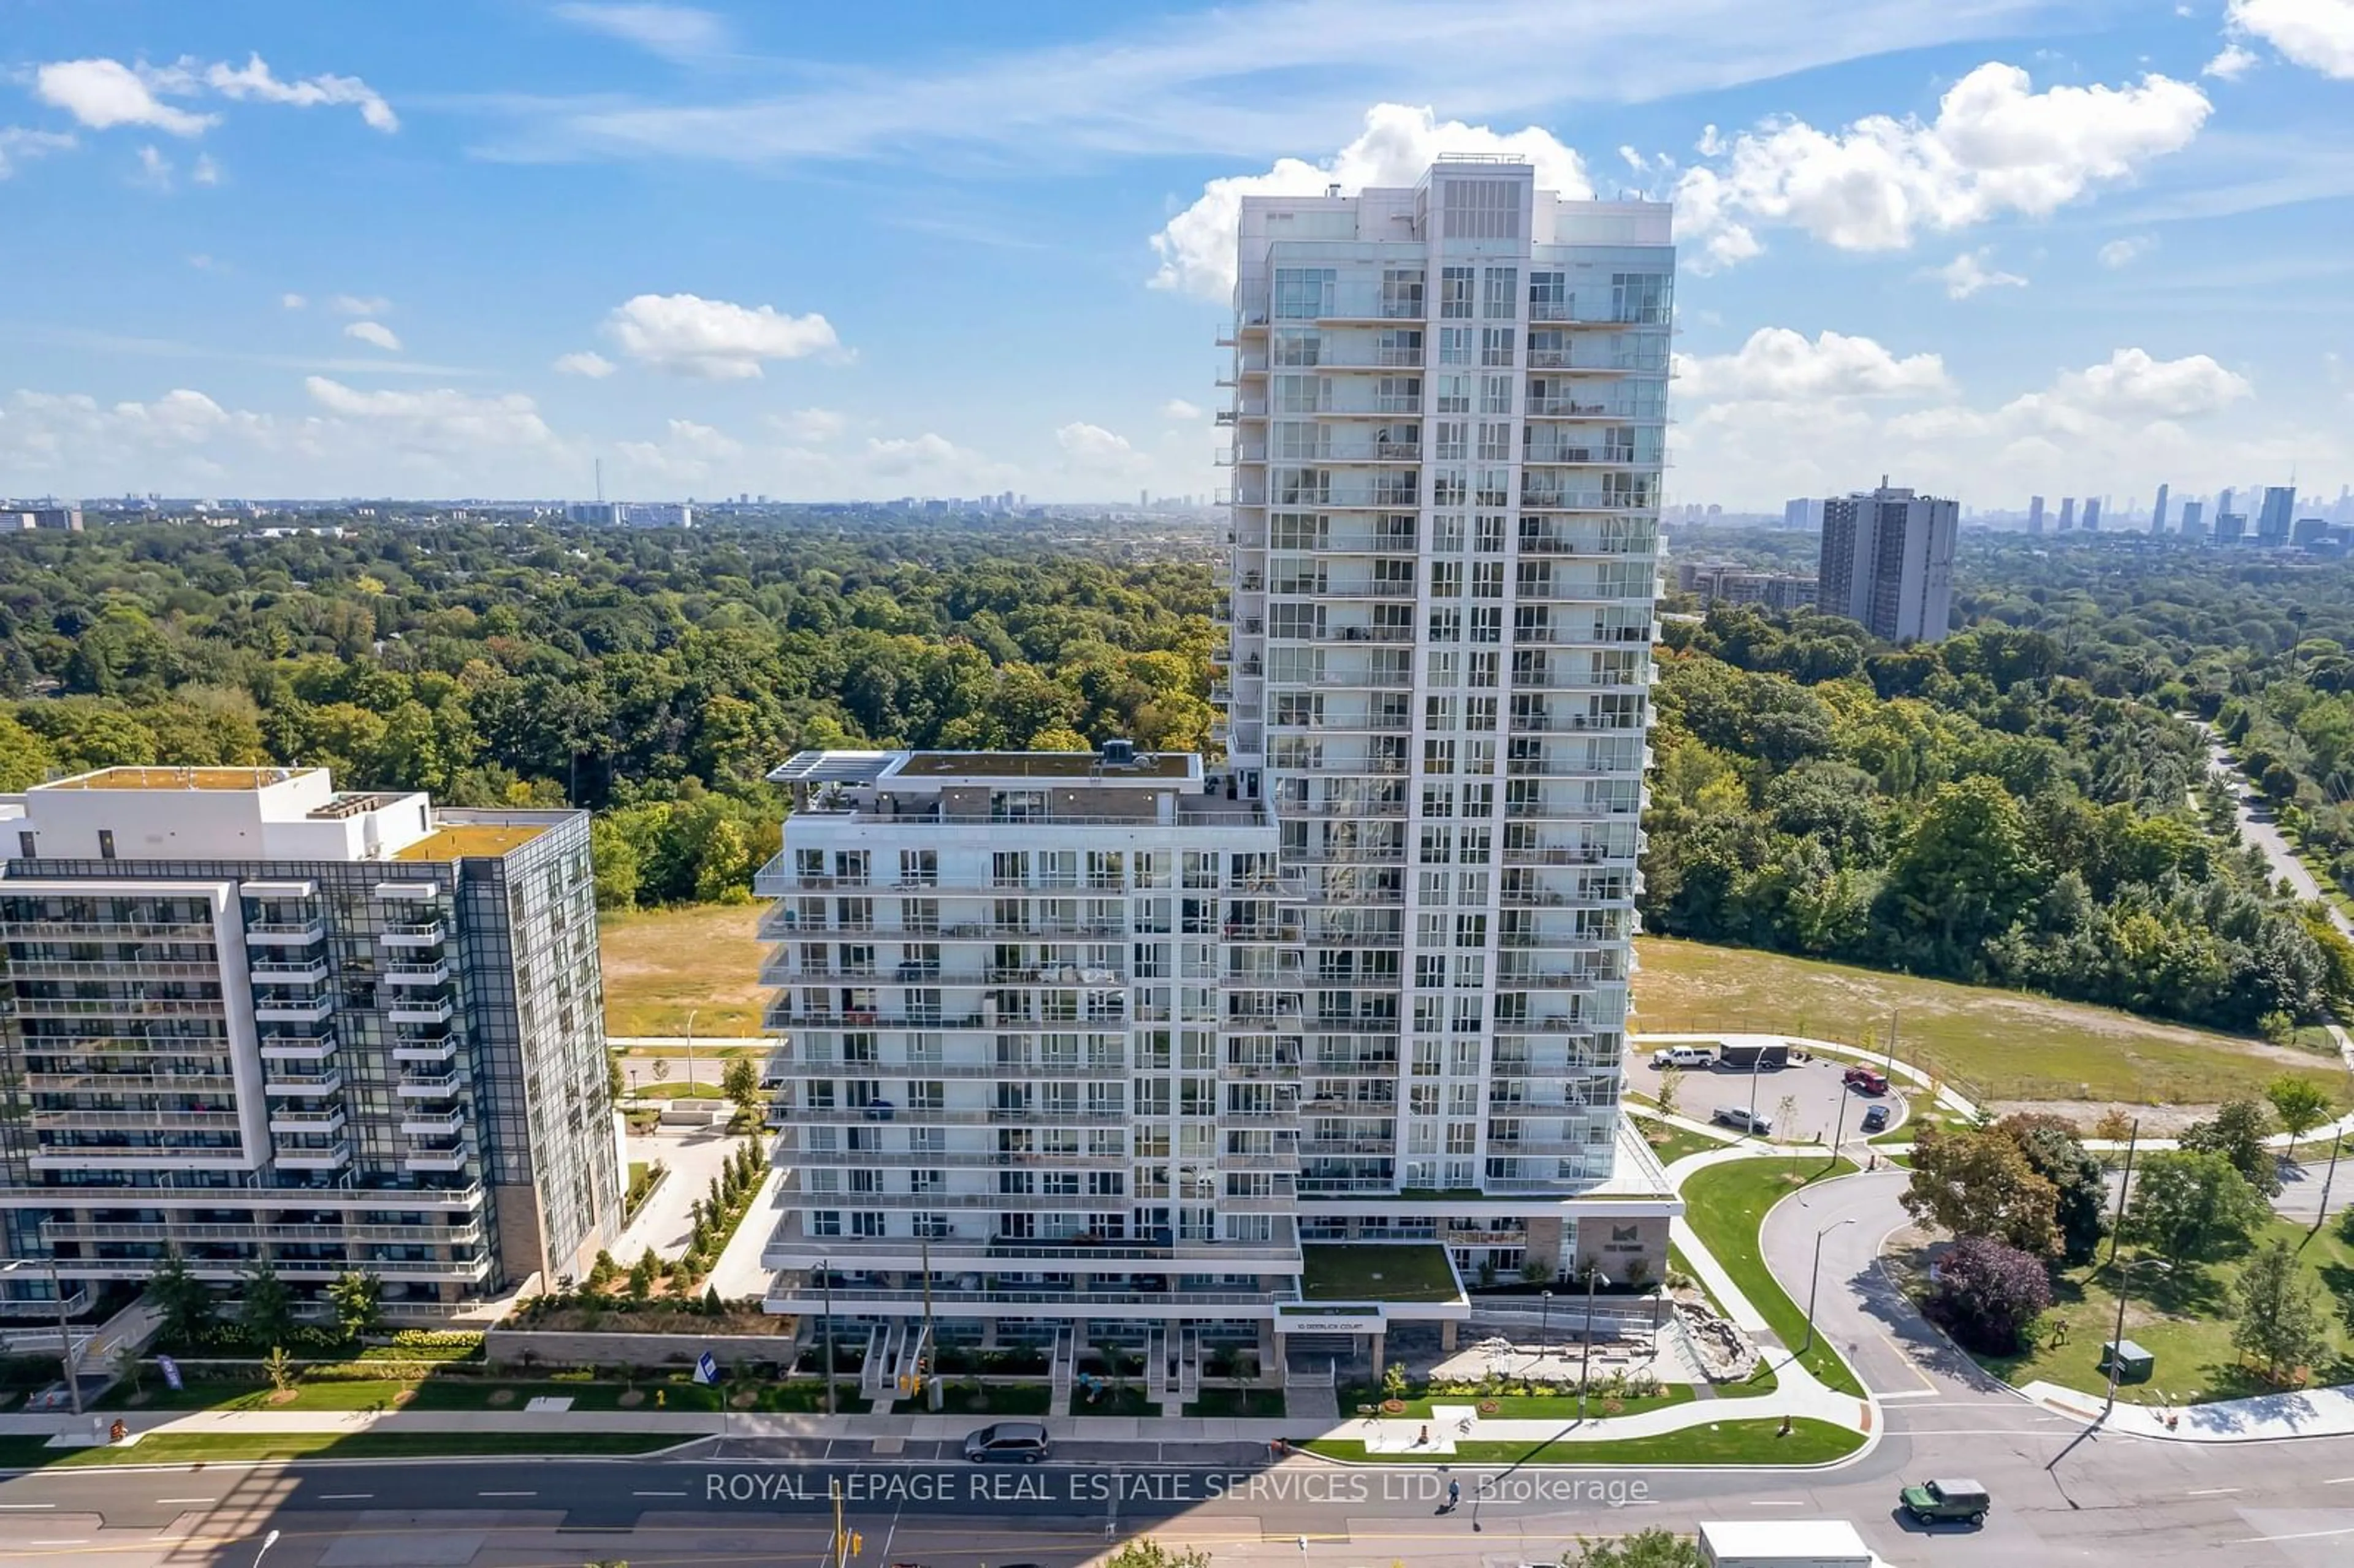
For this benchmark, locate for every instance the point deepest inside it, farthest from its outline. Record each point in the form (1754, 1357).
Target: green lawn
(1811, 1442)
(1518, 1407)
(1672, 1143)
(960, 1398)
(1989, 1044)
(1250, 1404)
(1726, 1205)
(324, 1393)
(463, 1393)
(662, 964)
(1366, 1271)
(179, 1448)
(648, 1089)
(1127, 1401)
(2184, 1318)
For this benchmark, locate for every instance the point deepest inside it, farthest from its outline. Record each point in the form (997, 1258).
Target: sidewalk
(2310, 1413)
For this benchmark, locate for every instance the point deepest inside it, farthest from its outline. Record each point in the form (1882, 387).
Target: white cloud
(155, 170)
(18, 144)
(687, 453)
(1779, 364)
(720, 341)
(1968, 273)
(375, 333)
(1178, 408)
(932, 459)
(586, 362)
(358, 304)
(675, 32)
(292, 302)
(254, 80)
(441, 421)
(811, 426)
(2102, 425)
(2230, 64)
(2127, 250)
(1996, 147)
(1197, 245)
(1092, 449)
(103, 93)
(205, 171)
(2318, 33)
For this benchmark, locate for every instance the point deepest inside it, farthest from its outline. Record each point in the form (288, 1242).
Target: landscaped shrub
(1989, 1296)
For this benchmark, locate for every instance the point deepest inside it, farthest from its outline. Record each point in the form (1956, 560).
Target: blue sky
(1989, 246)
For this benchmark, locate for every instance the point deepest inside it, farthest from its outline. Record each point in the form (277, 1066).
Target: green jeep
(1941, 1502)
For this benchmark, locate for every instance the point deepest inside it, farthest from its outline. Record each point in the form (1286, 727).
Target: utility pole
(2327, 1176)
(826, 1269)
(2118, 1338)
(1889, 1070)
(1585, 1362)
(1838, 1133)
(690, 1048)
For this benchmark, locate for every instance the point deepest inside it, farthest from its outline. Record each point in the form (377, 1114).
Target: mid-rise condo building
(246, 1016)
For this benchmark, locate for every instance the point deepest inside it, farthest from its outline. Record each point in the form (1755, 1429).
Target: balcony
(294, 1010)
(424, 1053)
(282, 1048)
(165, 1119)
(306, 1121)
(288, 972)
(432, 1124)
(419, 1009)
(444, 1158)
(428, 934)
(276, 1080)
(334, 1157)
(435, 973)
(284, 933)
(415, 1088)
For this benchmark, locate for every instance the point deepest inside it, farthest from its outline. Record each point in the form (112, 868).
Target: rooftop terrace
(1176, 765)
(227, 778)
(452, 840)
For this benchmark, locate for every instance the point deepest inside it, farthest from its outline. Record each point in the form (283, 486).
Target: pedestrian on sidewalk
(1454, 1495)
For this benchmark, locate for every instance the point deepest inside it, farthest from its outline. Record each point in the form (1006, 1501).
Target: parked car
(1871, 1080)
(1015, 1442)
(1875, 1119)
(1683, 1056)
(1945, 1502)
(1743, 1118)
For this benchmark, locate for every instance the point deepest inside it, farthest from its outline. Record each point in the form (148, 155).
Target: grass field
(661, 962)
(2184, 1318)
(196, 1448)
(1672, 1143)
(1726, 1205)
(1811, 1442)
(1989, 1044)
(1519, 1406)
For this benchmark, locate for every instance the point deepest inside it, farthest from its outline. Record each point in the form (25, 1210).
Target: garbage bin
(2133, 1364)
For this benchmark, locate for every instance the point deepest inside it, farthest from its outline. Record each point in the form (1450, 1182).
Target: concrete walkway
(2308, 1413)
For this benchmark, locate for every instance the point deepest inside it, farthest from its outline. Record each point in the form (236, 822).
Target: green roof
(1377, 1271)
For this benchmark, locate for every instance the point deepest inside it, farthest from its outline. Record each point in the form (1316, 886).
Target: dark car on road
(1015, 1442)
(1945, 1502)
(1875, 1118)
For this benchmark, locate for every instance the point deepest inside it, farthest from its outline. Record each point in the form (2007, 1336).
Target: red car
(1871, 1080)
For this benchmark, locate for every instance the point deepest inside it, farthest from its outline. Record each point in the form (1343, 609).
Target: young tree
(2280, 1320)
(1143, 1551)
(358, 1301)
(278, 1367)
(268, 1312)
(1671, 1082)
(2237, 1132)
(1976, 1182)
(643, 1274)
(1652, 1548)
(184, 1301)
(1990, 1295)
(2187, 1203)
(616, 1086)
(2300, 1104)
(741, 1083)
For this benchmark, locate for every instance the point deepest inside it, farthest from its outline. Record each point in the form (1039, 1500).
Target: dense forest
(655, 677)
(2024, 804)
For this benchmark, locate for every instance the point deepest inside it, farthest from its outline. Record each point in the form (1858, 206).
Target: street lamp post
(1545, 1326)
(690, 1048)
(1815, 1280)
(65, 1329)
(1585, 1361)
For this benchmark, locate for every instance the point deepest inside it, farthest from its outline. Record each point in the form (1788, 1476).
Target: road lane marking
(1792, 1503)
(186, 1500)
(70, 1541)
(2340, 1481)
(1881, 1393)
(2302, 1535)
(28, 1505)
(2209, 1491)
(506, 1494)
(344, 1496)
(643, 1494)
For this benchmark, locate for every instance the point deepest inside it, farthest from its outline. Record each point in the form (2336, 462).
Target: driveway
(693, 1157)
(1815, 1086)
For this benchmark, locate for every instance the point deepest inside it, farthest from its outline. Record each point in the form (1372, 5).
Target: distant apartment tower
(2194, 519)
(1887, 560)
(2231, 527)
(2067, 513)
(247, 1016)
(2035, 515)
(2158, 511)
(595, 513)
(1722, 583)
(2092, 514)
(2277, 514)
(58, 519)
(1803, 514)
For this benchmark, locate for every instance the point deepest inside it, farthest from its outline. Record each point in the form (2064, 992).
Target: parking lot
(1814, 1089)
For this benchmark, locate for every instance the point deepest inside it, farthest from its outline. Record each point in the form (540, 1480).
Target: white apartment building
(1449, 411)
(247, 1016)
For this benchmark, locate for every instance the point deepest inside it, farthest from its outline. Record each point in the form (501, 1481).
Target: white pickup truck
(1683, 1056)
